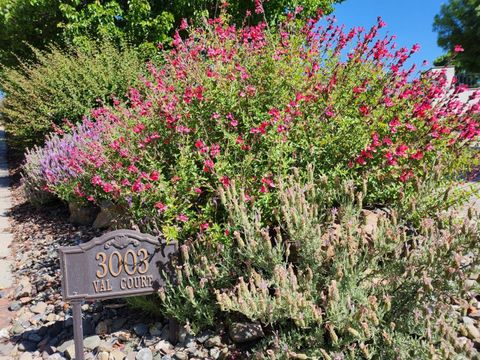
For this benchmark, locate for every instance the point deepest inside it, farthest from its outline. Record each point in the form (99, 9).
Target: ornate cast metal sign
(120, 263)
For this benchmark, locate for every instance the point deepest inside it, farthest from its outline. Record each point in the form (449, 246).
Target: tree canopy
(25, 23)
(458, 23)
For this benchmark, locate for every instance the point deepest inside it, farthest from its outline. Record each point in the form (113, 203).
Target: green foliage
(32, 21)
(143, 23)
(64, 84)
(348, 285)
(457, 24)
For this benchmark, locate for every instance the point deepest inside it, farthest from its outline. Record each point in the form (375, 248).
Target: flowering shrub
(67, 160)
(249, 104)
(331, 283)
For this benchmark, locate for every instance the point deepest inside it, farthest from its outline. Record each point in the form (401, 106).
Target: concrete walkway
(6, 278)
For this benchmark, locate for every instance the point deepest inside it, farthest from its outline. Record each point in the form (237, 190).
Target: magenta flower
(458, 48)
(182, 218)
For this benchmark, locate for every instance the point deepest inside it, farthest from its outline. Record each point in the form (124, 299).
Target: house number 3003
(132, 262)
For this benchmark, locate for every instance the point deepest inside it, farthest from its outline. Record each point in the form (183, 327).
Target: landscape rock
(165, 347)
(245, 332)
(117, 355)
(140, 329)
(91, 342)
(213, 341)
(109, 212)
(101, 328)
(24, 288)
(144, 354)
(14, 306)
(81, 215)
(103, 355)
(180, 355)
(472, 331)
(39, 308)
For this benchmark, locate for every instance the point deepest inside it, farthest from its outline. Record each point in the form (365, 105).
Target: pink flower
(107, 187)
(225, 180)
(387, 141)
(137, 186)
(154, 176)
(458, 48)
(214, 150)
(258, 7)
(329, 112)
(96, 180)
(138, 128)
(90, 198)
(390, 158)
(183, 24)
(182, 218)
(208, 165)
(401, 150)
(197, 190)
(417, 156)
(407, 174)
(204, 226)
(394, 124)
(268, 181)
(160, 206)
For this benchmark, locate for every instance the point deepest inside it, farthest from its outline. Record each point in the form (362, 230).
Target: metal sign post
(118, 264)
(78, 330)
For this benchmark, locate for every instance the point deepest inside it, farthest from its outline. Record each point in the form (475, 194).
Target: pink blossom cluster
(249, 104)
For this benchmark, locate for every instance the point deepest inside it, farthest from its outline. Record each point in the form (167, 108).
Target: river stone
(91, 342)
(26, 356)
(245, 332)
(70, 352)
(213, 341)
(24, 288)
(105, 346)
(103, 355)
(144, 354)
(473, 332)
(39, 308)
(140, 329)
(180, 355)
(165, 347)
(14, 306)
(101, 328)
(64, 346)
(117, 355)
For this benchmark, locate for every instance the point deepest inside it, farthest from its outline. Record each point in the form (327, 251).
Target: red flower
(390, 159)
(160, 206)
(204, 226)
(364, 110)
(417, 156)
(267, 181)
(154, 176)
(402, 150)
(407, 174)
(225, 180)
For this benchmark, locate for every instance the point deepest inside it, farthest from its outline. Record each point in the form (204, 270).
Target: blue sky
(410, 20)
